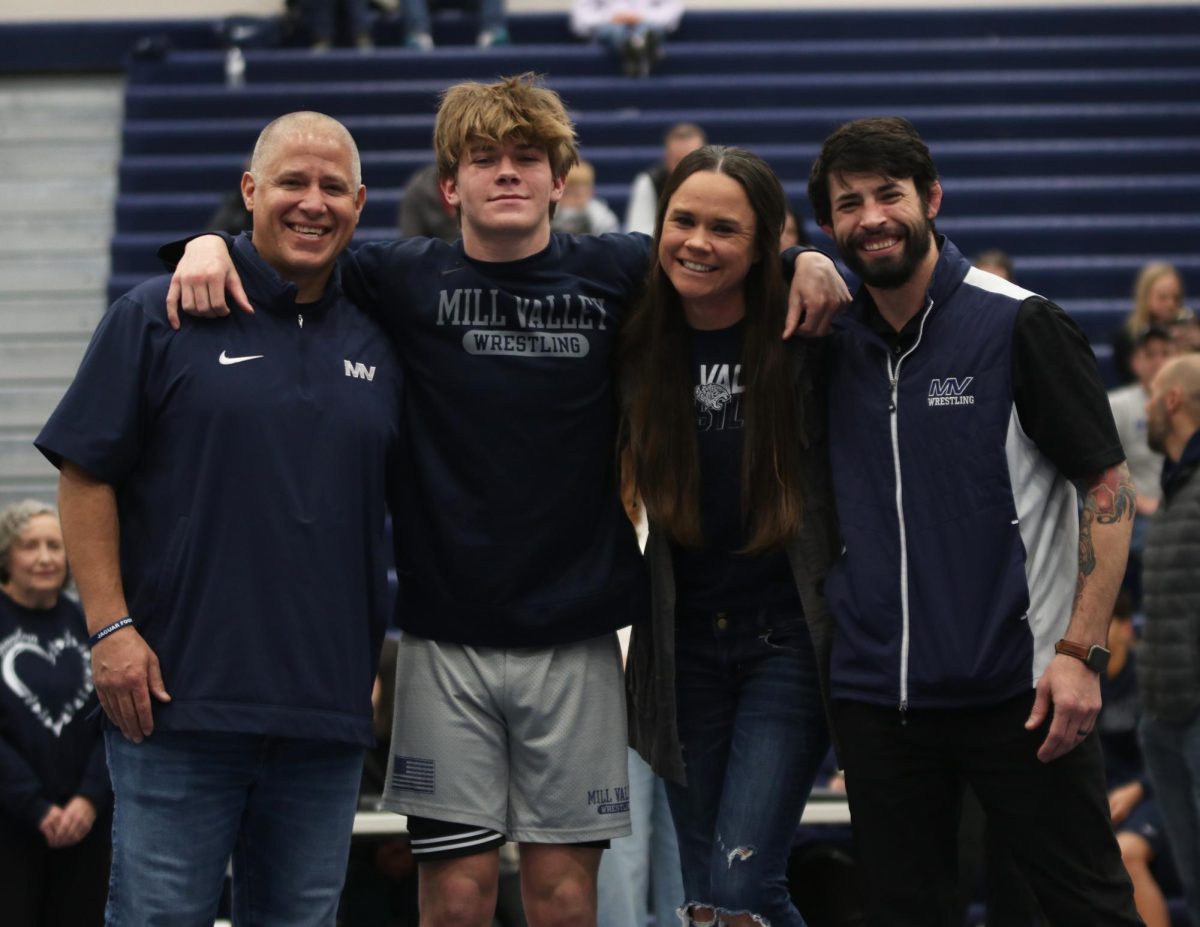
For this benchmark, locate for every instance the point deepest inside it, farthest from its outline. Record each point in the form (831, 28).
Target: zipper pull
(904, 713)
(300, 319)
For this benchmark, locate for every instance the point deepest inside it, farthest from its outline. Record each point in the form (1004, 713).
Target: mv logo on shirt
(359, 371)
(951, 391)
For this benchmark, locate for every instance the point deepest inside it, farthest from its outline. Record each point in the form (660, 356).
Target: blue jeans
(185, 802)
(417, 21)
(322, 15)
(753, 730)
(644, 865)
(1172, 756)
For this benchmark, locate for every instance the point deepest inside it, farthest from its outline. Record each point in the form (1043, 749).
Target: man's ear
(827, 229)
(933, 202)
(248, 190)
(1173, 399)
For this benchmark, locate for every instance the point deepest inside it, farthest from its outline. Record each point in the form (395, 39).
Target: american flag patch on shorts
(412, 774)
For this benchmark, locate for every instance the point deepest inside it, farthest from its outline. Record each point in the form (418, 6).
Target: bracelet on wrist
(109, 629)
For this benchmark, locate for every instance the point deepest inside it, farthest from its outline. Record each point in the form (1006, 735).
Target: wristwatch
(1094, 657)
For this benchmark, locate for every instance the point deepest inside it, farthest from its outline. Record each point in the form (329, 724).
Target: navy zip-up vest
(939, 496)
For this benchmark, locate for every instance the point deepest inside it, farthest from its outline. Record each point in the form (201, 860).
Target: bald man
(223, 496)
(1169, 658)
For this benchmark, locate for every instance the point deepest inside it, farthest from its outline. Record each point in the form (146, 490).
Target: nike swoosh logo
(226, 361)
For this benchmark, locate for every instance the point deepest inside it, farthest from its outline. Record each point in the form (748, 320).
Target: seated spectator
(1152, 348)
(321, 18)
(1185, 333)
(418, 27)
(823, 876)
(381, 876)
(633, 29)
(231, 215)
(681, 139)
(54, 789)
(1135, 814)
(997, 262)
(579, 212)
(1157, 300)
(793, 229)
(424, 212)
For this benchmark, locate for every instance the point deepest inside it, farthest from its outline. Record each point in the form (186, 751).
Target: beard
(1156, 430)
(890, 273)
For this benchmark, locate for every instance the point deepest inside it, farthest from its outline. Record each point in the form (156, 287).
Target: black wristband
(109, 629)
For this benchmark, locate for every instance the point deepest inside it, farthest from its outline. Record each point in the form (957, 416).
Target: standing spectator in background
(54, 792)
(1157, 300)
(418, 28)
(997, 262)
(681, 139)
(1152, 348)
(1169, 657)
(321, 17)
(579, 211)
(424, 211)
(633, 29)
(236, 624)
(985, 508)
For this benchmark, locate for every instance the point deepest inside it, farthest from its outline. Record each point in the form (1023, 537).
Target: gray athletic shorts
(529, 742)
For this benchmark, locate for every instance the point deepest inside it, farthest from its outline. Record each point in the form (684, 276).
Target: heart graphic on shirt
(21, 642)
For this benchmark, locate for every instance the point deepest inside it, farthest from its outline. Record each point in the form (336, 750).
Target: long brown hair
(659, 408)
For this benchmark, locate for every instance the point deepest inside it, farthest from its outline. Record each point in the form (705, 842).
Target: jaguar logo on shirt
(713, 396)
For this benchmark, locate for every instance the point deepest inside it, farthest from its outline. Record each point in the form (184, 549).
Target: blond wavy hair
(517, 108)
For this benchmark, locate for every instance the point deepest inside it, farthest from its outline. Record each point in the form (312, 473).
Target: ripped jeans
(753, 731)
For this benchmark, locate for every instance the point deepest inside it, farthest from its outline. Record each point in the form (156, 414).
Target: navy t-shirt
(251, 457)
(513, 531)
(716, 577)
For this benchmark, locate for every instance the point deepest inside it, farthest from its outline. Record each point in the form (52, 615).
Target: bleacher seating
(1068, 137)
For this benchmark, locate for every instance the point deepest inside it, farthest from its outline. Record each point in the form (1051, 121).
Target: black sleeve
(172, 251)
(1061, 402)
(788, 259)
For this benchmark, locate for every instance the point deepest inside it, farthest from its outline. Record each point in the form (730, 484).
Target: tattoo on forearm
(1107, 499)
(1112, 495)
(1087, 551)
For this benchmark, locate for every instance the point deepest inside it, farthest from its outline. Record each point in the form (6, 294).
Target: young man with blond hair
(515, 558)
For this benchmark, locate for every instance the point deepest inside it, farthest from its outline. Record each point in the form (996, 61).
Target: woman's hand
(76, 821)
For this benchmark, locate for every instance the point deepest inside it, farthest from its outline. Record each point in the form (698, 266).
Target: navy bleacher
(1070, 137)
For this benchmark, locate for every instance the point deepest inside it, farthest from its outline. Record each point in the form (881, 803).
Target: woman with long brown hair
(725, 434)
